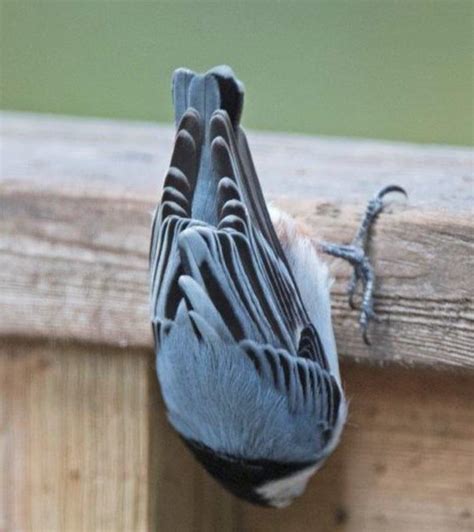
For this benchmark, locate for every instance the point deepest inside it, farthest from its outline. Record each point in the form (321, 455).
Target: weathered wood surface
(76, 199)
(406, 462)
(85, 446)
(74, 427)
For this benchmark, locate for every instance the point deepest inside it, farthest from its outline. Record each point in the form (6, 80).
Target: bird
(240, 306)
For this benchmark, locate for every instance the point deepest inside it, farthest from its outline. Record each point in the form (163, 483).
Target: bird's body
(241, 314)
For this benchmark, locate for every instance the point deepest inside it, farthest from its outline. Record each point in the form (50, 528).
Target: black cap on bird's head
(243, 477)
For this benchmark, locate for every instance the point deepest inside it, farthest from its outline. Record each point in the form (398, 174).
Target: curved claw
(365, 337)
(375, 207)
(365, 319)
(351, 288)
(364, 325)
(390, 188)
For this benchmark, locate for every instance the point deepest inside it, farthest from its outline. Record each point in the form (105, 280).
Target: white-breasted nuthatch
(240, 307)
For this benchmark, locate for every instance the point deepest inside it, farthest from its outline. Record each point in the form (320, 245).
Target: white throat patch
(281, 492)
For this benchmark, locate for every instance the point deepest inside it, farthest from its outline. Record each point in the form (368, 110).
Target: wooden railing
(85, 442)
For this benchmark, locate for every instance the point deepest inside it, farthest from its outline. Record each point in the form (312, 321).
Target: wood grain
(85, 445)
(182, 495)
(116, 157)
(76, 198)
(406, 462)
(74, 439)
(84, 441)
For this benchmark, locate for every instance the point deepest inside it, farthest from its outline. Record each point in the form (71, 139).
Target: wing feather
(227, 272)
(302, 380)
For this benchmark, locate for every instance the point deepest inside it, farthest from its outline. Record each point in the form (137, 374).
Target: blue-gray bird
(240, 307)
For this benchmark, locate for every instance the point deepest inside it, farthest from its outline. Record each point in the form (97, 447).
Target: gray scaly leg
(356, 254)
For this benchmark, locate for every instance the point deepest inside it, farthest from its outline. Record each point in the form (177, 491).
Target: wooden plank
(120, 157)
(182, 496)
(406, 461)
(75, 208)
(74, 438)
(86, 446)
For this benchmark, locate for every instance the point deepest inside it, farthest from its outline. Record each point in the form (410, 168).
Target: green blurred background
(377, 68)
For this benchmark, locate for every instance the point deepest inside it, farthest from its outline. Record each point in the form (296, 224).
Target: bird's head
(261, 482)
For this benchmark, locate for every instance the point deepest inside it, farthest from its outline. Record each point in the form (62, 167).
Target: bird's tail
(218, 97)
(206, 93)
(216, 89)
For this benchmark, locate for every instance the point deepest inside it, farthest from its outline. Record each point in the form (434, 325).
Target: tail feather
(216, 89)
(207, 93)
(208, 107)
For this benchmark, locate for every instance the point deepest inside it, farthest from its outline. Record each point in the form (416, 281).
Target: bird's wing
(172, 216)
(235, 286)
(235, 263)
(306, 384)
(232, 299)
(245, 176)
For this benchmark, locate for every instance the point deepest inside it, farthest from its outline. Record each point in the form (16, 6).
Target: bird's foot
(356, 253)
